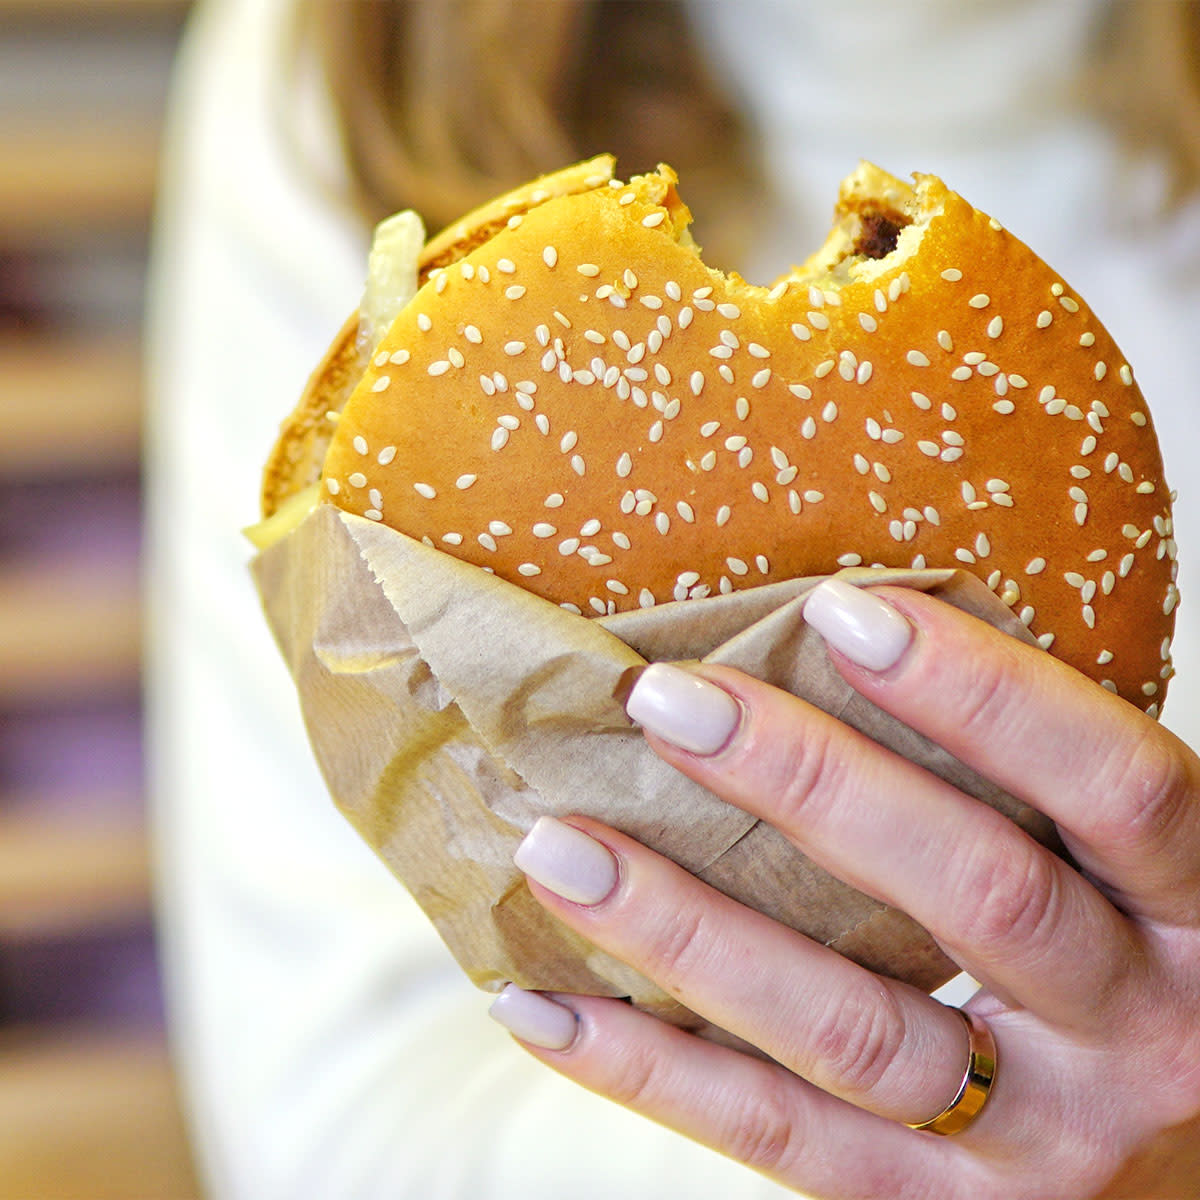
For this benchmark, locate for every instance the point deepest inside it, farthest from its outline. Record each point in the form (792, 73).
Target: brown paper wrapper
(449, 709)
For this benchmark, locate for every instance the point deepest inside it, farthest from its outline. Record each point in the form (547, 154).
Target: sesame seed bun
(577, 402)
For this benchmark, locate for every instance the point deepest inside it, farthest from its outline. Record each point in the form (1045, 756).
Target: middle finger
(1007, 910)
(882, 1045)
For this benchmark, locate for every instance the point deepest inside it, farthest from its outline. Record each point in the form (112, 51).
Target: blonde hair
(442, 104)
(1146, 83)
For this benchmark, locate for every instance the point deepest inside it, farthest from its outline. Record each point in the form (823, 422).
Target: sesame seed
(332, 486)
(499, 437)
(685, 511)
(995, 327)
(655, 218)
(568, 547)
(917, 359)
(357, 479)
(737, 566)
(981, 300)
(760, 492)
(373, 514)
(486, 541)
(550, 256)
(529, 569)
(424, 324)
(399, 357)
(723, 515)
(952, 275)
(697, 382)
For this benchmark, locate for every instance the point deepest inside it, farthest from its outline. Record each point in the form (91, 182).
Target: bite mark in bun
(576, 402)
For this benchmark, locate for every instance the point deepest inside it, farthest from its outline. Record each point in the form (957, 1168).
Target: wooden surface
(86, 1113)
(68, 629)
(64, 177)
(69, 404)
(58, 875)
(88, 1116)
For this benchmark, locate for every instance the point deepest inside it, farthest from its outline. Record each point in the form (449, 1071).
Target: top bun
(575, 401)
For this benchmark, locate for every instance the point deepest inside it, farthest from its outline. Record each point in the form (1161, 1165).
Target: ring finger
(879, 1044)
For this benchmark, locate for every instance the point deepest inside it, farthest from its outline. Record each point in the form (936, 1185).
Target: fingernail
(683, 709)
(866, 629)
(534, 1018)
(568, 862)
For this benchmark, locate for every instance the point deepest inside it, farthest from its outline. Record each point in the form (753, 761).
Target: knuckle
(1009, 896)
(633, 1080)
(985, 704)
(764, 1127)
(858, 1040)
(811, 773)
(1152, 790)
(679, 947)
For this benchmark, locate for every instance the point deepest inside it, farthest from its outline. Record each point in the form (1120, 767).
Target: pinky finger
(749, 1109)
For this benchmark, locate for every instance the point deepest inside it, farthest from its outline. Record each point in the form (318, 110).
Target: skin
(1091, 976)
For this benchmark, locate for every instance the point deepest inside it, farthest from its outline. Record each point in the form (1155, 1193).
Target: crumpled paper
(449, 709)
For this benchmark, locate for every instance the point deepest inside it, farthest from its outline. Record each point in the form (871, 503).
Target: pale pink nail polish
(866, 629)
(683, 709)
(534, 1018)
(567, 861)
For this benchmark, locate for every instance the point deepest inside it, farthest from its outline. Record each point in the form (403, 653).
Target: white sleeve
(328, 1045)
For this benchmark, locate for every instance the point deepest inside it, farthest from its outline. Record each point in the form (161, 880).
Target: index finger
(1123, 790)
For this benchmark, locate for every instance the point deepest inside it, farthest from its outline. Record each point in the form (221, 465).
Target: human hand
(1091, 977)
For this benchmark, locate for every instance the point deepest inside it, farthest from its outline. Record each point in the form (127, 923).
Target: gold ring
(976, 1084)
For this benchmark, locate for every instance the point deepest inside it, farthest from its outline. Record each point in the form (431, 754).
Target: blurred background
(88, 1108)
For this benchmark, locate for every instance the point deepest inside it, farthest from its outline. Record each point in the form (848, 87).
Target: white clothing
(331, 1049)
